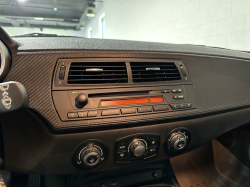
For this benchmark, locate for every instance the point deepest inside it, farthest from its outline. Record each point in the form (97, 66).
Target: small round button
(92, 158)
(180, 144)
(114, 183)
(154, 174)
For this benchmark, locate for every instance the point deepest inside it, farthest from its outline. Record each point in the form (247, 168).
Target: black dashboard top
(76, 44)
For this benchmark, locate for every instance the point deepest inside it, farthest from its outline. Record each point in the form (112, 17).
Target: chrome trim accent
(94, 69)
(154, 69)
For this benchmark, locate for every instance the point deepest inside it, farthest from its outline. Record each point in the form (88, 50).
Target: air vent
(97, 73)
(154, 71)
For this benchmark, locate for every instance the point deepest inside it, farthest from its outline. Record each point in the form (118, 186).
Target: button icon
(182, 106)
(122, 156)
(174, 106)
(122, 147)
(165, 91)
(92, 159)
(152, 149)
(188, 105)
(181, 145)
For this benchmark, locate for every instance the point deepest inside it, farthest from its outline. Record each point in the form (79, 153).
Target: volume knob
(81, 100)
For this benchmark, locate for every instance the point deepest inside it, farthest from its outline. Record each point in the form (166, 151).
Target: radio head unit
(120, 87)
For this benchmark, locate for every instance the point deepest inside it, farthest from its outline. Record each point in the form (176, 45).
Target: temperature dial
(138, 148)
(90, 154)
(177, 141)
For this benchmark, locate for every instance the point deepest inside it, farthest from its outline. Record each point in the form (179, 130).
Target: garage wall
(221, 23)
(24, 30)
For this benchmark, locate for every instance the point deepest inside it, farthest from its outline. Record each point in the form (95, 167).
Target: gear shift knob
(13, 96)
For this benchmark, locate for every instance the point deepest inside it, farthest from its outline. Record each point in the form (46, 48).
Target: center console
(90, 89)
(86, 89)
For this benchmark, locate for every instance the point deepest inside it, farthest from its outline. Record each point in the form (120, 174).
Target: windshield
(217, 23)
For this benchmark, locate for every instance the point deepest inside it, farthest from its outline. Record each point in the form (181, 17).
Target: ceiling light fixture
(90, 13)
(91, 9)
(55, 9)
(22, 0)
(40, 19)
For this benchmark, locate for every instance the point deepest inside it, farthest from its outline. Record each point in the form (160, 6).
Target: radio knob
(138, 148)
(91, 156)
(81, 100)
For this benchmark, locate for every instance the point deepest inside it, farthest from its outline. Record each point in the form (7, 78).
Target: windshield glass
(217, 23)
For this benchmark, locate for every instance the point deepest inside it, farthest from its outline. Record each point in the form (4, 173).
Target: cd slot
(118, 94)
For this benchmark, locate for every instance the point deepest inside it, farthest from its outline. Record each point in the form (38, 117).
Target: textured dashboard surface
(220, 83)
(64, 43)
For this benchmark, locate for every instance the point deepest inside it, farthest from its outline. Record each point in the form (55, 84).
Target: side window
(90, 32)
(102, 26)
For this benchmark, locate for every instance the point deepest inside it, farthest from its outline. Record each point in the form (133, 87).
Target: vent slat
(137, 74)
(76, 66)
(144, 70)
(149, 66)
(156, 78)
(102, 73)
(117, 79)
(164, 71)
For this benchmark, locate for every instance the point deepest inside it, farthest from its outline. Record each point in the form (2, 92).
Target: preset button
(178, 96)
(176, 90)
(160, 107)
(145, 109)
(82, 114)
(92, 114)
(72, 115)
(110, 112)
(128, 110)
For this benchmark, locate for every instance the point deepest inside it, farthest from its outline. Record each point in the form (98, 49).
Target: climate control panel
(136, 147)
(132, 148)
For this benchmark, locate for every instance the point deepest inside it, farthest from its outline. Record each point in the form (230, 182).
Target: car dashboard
(101, 105)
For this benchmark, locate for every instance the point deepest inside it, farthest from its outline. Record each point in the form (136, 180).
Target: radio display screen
(131, 101)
